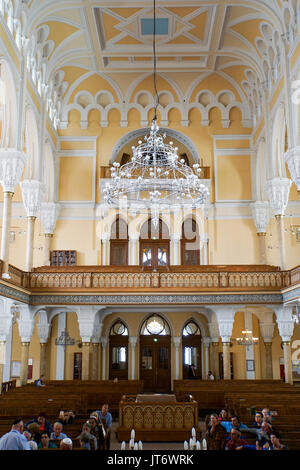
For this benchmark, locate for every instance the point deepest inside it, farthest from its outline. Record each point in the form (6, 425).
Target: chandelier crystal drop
(155, 179)
(247, 339)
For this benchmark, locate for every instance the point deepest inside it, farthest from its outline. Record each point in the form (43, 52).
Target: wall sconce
(12, 236)
(295, 231)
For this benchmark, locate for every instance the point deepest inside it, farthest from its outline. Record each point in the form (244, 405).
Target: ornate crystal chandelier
(247, 339)
(156, 179)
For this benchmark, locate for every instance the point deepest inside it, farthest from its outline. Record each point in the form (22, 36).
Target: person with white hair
(66, 444)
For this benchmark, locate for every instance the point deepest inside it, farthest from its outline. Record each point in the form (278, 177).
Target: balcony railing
(239, 278)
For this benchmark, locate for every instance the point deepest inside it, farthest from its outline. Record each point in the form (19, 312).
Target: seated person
(106, 418)
(66, 444)
(86, 428)
(258, 420)
(235, 442)
(263, 433)
(268, 415)
(34, 431)
(275, 442)
(40, 382)
(57, 431)
(234, 423)
(46, 443)
(223, 416)
(215, 434)
(97, 430)
(84, 440)
(44, 424)
(66, 417)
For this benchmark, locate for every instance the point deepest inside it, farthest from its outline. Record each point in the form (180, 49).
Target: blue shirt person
(105, 415)
(14, 439)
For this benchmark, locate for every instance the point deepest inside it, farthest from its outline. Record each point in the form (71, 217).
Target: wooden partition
(157, 420)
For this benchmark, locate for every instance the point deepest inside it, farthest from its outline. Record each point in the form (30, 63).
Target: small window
(155, 325)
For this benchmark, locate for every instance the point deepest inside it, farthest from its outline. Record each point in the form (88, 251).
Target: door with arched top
(118, 351)
(191, 351)
(155, 355)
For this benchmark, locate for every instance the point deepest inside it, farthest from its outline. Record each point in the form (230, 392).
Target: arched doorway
(155, 355)
(154, 245)
(190, 243)
(118, 351)
(191, 350)
(119, 243)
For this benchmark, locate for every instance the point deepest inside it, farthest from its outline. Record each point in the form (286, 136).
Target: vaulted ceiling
(238, 40)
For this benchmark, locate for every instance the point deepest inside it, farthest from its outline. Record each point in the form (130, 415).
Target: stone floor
(116, 445)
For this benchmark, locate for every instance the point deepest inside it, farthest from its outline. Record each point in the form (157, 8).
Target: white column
(204, 250)
(267, 329)
(12, 163)
(104, 342)
(177, 343)
(225, 318)
(33, 192)
(133, 251)
(105, 251)
(206, 343)
(132, 342)
(250, 375)
(278, 190)
(26, 325)
(44, 329)
(285, 324)
(49, 215)
(6, 318)
(261, 217)
(60, 350)
(175, 249)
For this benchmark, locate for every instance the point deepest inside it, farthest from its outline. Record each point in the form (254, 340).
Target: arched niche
(184, 144)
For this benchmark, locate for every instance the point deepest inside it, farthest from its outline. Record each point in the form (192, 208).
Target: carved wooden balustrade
(231, 278)
(134, 278)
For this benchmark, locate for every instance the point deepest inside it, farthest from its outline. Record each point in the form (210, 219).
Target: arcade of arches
(76, 93)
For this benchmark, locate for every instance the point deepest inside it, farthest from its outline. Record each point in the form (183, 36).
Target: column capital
(261, 215)
(278, 190)
(177, 341)
(49, 214)
(26, 330)
(285, 322)
(267, 330)
(133, 341)
(104, 341)
(12, 163)
(292, 157)
(33, 192)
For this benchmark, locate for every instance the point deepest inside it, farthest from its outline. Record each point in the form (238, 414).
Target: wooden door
(77, 367)
(191, 354)
(118, 357)
(155, 363)
(154, 254)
